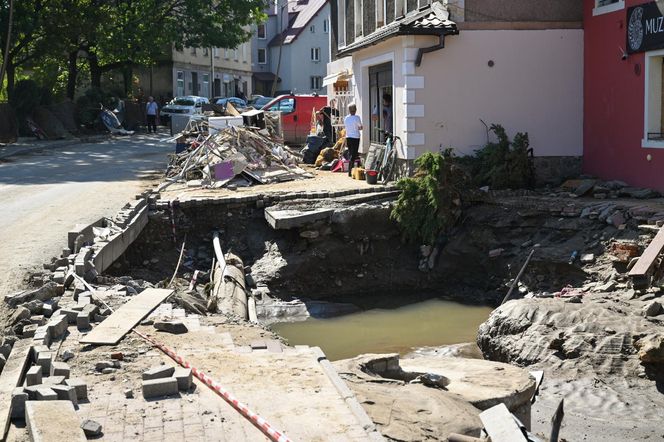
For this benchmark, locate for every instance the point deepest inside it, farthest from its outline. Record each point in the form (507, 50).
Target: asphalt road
(44, 194)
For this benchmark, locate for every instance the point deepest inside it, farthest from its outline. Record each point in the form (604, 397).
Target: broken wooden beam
(646, 261)
(124, 319)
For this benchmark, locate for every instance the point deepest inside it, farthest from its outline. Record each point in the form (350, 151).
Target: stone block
(65, 393)
(80, 386)
(19, 398)
(53, 380)
(160, 387)
(44, 360)
(83, 321)
(34, 376)
(46, 394)
(91, 428)
(47, 310)
(61, 369)
(53, 421)
(58, 325)
(29, 330)
(71, 315)
(184, 378)
(158, 372)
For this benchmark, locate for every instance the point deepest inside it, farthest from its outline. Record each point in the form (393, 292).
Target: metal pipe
(518, 277)
(422, 51)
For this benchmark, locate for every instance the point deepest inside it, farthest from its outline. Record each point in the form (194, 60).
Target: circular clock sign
(635, 29)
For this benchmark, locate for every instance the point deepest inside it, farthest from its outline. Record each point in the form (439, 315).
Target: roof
(300, 13)
(433, 19)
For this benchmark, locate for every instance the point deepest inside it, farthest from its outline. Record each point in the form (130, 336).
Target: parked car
(190, 104)
(238, 103)
(297, 111)
(258, 101)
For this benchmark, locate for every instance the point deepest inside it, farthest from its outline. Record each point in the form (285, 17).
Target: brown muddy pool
(431, 323)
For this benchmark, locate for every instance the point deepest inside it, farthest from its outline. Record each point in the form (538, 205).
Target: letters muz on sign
(645, 28)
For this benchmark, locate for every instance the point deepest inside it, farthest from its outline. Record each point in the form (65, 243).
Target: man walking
(151, 110)
(353, 124)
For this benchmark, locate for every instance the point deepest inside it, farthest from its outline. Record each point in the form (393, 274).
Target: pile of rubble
(240, 154)
(606, 189)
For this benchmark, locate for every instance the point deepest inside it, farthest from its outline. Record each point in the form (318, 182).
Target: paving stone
(184, 378)
(70, 313)
(61, 369)
(83, 321)
(160, 387)
(53, 421)
(91, 428)
(161, 371)
(58, 325)
(65, 393)
(53, 380)
(80, 386)
(34, 376)
(46, 394)
(44, 360)
(19, 398)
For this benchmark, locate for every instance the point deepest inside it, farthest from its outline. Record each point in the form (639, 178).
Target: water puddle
(398, 330)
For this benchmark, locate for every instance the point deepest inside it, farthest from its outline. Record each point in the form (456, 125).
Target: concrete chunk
(91, 428)
(80, 386)
(29, 330)
(65, 393)
(71, 315)
(184, 378)
(53, 380)
(161, 371)
(53, 421)
(44, 360)
(34, 376)
(61, 369)
(58, 325)
(160, 387)
(175, 327)
(83, 321)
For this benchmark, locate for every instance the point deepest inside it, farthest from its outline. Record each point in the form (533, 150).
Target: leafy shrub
(503, 164)
(26, 97)
(430, 201)
(87, 106)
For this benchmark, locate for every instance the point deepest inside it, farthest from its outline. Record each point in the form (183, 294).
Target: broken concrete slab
(91, 428)
(184, 378)
(45, 292)
(289, 219)
(65, 393)
(44, 393)
(61, 369)
(34, 376)
(174, 327)
(160, 387)
(53, 380)
(161, 371)
(44, 360)
(53, 421)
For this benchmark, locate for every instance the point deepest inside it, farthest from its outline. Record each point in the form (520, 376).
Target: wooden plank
(11, 377)
(646, 261)
(500, 425)
(113, 329)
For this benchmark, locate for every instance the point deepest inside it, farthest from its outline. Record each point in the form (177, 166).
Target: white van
(188, 105)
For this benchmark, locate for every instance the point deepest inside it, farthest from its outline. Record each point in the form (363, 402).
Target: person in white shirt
(151, 109)
(353, 124)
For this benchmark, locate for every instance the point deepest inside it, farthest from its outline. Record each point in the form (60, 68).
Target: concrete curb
(12, 150)
(347, 395)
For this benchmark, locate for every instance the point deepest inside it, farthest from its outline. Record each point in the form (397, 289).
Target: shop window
(654, 102)
(606, 6)
(262, 58)
(380, 101)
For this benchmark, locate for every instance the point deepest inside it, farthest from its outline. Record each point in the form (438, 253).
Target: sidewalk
(26, 145)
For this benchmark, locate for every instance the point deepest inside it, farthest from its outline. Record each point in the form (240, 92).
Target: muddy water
(429, 323)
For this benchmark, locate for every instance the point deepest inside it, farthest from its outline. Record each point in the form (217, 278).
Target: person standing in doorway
(151, 110)
(353, 124)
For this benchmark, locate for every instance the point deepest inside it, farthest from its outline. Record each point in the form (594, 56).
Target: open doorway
(381, 101)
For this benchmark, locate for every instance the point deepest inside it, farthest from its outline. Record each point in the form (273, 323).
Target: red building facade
(623, 91)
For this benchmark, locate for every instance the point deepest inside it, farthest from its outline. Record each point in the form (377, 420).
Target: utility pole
(5, 58)
(211, 91)
(281, 45)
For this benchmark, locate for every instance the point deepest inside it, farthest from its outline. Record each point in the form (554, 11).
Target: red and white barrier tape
(192, 284)
(255, 419)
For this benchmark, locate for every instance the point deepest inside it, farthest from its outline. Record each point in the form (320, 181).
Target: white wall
(535, 86)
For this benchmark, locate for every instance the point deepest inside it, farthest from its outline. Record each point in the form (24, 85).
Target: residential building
(452, 69)
(207, 72)
(623, 92)
(294, 43)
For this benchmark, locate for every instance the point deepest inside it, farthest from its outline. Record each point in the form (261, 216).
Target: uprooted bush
(503, 164)
(430, 201)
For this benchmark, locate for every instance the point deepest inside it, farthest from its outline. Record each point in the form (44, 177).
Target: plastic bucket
(372, 176)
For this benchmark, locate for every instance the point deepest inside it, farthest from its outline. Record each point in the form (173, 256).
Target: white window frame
(258, 34)
(652, 112)
(258, 57)
(179, 81)
(226, 53)
(315, 54)
(606, 9)
(215, 51)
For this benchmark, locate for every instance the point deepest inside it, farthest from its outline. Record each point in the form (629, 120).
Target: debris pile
(598, 189)
(215, 159)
